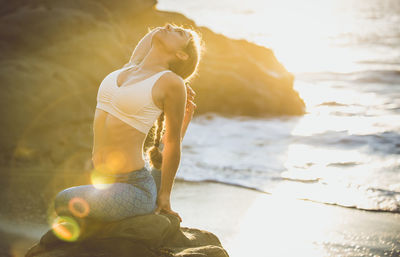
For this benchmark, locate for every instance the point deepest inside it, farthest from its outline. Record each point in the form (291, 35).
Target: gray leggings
(131, 194)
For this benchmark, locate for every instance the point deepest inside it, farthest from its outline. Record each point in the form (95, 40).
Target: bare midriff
(117, 146)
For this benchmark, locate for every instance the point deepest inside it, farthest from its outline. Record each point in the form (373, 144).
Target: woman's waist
(125, 177)
(118, 160)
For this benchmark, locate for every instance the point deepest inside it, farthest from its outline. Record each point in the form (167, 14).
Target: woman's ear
(182, 55)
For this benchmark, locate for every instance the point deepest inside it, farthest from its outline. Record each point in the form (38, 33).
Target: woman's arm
(186, 121)
(174, 109)
(141, 49)
(190, 106)
(175, 112)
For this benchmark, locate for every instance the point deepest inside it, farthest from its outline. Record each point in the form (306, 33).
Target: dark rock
(145, 235)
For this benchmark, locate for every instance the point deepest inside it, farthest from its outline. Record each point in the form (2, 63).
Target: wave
(343, 164)
(331, 103)
(364, 76)
(386, 142)
(222, 182)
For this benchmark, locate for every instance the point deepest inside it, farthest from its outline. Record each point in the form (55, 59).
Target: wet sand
(250, 223)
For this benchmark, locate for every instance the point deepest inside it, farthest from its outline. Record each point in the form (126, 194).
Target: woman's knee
(63, 198)
(61, 202)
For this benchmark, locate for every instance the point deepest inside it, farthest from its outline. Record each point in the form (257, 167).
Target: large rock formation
(149, 235)
(55, 54)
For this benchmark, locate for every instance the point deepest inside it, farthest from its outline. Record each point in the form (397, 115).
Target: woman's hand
(164, 205)
(190, 105)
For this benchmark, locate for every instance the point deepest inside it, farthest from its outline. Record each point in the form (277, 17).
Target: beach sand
(250, 223)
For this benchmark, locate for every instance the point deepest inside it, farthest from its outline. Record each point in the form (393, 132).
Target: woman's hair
(187, 70)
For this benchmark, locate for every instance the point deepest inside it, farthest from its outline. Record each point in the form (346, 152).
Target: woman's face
(173, 39)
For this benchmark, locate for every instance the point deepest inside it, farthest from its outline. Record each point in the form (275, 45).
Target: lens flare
(100, 179)
(115, 161)
(101, 176)
(78, 207)
(66, 228)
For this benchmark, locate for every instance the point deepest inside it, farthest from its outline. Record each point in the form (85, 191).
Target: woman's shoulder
(172, 82)
(170, 77)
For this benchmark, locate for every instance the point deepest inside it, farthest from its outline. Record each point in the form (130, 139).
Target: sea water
(345, 55)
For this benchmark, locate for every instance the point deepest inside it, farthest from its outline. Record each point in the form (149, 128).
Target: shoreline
(271, 194)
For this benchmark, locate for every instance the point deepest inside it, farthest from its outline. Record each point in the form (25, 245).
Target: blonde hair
(187, 69)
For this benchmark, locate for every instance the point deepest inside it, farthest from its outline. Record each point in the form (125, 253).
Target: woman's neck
(155, 60)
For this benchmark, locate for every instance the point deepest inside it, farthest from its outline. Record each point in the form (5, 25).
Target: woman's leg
(118, 201)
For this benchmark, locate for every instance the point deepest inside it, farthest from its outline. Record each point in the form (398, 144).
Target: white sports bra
(132, 103)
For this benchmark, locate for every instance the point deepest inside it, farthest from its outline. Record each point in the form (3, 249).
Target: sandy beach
(250, 223)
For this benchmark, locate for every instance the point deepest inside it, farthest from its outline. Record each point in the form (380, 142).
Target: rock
(145, 235)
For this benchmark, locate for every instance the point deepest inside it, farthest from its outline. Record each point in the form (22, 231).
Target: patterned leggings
(131, 194)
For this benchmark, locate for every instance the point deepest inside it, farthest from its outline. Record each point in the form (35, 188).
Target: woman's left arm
(186, 121)
(190, 106)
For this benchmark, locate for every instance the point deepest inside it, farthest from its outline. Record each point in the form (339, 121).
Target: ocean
(345, 55)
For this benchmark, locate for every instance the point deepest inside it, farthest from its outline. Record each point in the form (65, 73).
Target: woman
(129, 101)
